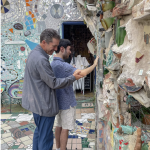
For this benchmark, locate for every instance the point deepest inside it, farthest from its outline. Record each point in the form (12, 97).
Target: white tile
(6, 135)
(7, 128)
(2, 141)
(8, 139)
(27, 142)
(5, 116)
(24, 117)
(3, 125)
(26, 138)
(7, 131)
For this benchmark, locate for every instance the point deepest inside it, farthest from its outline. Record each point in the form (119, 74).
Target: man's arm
(88, 70)
(46, 74)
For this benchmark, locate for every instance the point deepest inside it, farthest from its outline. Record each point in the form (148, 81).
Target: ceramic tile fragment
(5, 116)
(27, 142)
(6, 135)
(4, 146)
(26, 138)
(8, 139)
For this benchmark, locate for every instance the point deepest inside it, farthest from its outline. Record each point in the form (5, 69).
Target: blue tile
(3, 120)
(27, 23)
(77, 122)
(80, 124)
(31, 22)
(26, 18)
(29, 18)
(22, 129)
(100, 132)
(91, 131)
(74, 136)
(32, 27)
(28, 28)
(102, 123)
(101, 140)
(69, 136)
(26, 129)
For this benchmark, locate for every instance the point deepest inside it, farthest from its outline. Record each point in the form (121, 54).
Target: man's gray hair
(48, 35)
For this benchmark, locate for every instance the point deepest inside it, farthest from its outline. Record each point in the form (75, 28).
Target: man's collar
(58, 58)
(42, 51)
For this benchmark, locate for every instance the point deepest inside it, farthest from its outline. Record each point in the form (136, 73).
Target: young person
(65, 96)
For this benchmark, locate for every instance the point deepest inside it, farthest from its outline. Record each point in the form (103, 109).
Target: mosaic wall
(22, 21)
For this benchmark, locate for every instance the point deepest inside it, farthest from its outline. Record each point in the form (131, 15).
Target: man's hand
(77, 74)
(96, 61)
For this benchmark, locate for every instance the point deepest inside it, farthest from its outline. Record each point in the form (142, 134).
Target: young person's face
(67, 52)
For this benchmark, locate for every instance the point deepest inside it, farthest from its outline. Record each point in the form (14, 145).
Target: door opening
(79, 35)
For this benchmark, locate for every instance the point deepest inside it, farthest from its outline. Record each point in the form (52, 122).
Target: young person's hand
(77, 74)
(96, 61)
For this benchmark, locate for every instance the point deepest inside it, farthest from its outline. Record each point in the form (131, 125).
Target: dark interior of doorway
(79, 35)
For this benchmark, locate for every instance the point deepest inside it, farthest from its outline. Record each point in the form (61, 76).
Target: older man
(39, 89)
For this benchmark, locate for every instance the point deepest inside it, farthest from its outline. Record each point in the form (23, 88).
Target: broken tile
(91, 119)
(76, 146)
(26, 138)
(78, 116)
(28, 132)
(87, 125)
(24, 117)
(54, 146)
(4, 146)
(7, 128)
(5, 116)
(78, 111)
(28, 142)
(88, 110)
(17, 133)
(21, 146)
(3, 125)
(2, 141)
(13, 124)
(8, 139)
(68, 146)
(24, 123)
(87, 105)
(69, 140)
(79, 141)
(74, 141)
(91, 136)
(6, 135)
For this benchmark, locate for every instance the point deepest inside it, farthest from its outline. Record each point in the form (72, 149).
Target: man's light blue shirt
(65, 96)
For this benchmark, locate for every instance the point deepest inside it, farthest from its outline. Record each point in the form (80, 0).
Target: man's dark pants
(43, 134)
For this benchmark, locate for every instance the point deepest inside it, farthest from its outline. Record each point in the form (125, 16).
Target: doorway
(79, 35)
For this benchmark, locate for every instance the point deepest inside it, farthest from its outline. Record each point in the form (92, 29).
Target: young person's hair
(48, 35)
(63, 43)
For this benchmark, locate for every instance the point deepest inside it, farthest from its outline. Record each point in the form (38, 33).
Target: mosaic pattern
(15, 90)
(24, 20)
(4, 6)
(3, 86)
(17, 131)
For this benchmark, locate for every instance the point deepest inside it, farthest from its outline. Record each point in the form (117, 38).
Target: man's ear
(43, 42)
(62, 49)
